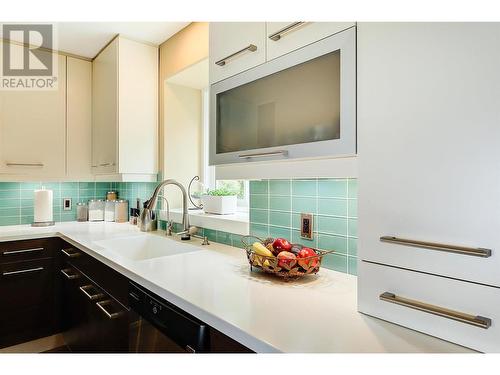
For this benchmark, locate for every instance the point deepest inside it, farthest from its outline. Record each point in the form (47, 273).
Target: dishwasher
(157, 326)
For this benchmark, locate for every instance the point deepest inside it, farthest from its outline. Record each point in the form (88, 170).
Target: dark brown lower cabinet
(92, 320)
(27, 290)
(47, 287)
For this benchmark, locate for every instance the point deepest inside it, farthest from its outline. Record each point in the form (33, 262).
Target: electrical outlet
(67, 204)
(306, 226)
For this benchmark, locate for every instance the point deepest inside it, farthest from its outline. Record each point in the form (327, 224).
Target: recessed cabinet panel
(284, 37)
(300, 104)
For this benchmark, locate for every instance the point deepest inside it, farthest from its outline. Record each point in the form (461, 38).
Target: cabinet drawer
(13, 251)
(235, 47)
(108, 279)
(465, 261)
(26, 284)
(284, 37)
(461, 312)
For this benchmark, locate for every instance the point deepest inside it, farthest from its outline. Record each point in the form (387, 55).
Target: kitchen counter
(313, 314)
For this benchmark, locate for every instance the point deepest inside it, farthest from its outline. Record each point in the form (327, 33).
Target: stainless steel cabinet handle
(29, 270)
(91, 297)
(70, 255)
(277, 35)
(250, 48)
(264, 154)
(68, 276)
(108, 314)
(477, 321)
(13, 252)
(189, 349)
(24, 164)
(478, 252)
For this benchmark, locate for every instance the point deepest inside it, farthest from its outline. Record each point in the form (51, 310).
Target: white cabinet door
(33, 130)
(105, 110)
(235, 47)
(138, 108)
(284, 37)
(429, 145)
(79, 118)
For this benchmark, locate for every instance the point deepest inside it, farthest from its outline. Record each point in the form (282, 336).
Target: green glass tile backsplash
(16, 198)
(275, 207)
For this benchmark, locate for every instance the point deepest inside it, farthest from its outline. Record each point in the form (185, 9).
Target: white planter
(219, 205)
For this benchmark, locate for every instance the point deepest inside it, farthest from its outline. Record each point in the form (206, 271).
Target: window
(239, 186)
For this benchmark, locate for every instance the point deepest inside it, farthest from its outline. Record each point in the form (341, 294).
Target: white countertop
(313, 314)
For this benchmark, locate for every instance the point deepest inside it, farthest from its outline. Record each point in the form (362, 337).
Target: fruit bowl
(280, 258)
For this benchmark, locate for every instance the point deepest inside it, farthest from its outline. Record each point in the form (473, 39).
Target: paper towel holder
(43, 223)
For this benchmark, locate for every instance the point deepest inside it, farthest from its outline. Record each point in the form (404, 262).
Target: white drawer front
(284, 37)
(445, 296)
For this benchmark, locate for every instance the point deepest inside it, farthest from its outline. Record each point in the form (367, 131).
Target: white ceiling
(87, 38)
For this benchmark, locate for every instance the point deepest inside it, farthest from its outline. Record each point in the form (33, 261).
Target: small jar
(96, 210)
(82, 211)
(109, 210)
(111, 195)
(121, 211)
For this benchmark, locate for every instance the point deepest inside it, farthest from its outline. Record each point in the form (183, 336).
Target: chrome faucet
(148, 221)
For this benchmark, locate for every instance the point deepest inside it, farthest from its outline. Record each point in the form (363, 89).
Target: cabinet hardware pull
(264, 154)
(29, 270)
(108, 314)
(250, 47)
(24, 164)
(478, 252)
(91, 297)
(477, 321)
(277, 35)
(105, 164)
(13, 252)
(68, 276)
(70, 255)
(190, 349)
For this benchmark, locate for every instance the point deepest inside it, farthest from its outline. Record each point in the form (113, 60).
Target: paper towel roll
(43, 206)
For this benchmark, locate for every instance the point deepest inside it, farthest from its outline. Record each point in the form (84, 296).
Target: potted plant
(220, 201)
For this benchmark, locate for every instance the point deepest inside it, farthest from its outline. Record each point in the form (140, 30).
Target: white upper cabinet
(125, 111)
(235, 47)
(284, 37)
(79, 119)
(429, 146)
(33, 131)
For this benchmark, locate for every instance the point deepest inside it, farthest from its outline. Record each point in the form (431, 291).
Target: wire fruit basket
(285, 267)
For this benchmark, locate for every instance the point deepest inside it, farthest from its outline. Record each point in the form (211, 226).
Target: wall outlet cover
(67, 204)
(306, 226)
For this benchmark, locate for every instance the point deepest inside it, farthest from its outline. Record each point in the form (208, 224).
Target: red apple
(307, 258)
(286, 259)
(280, 244)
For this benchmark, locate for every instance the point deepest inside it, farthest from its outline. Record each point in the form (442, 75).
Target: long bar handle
(91, 297)
(24, 164)
(68, 276)
(264, 154)
(13, 252)
(250, 48)
(70, 255)
(278, 34)
(473, 251)
(29, 270)
(477, 321)
(108, 314)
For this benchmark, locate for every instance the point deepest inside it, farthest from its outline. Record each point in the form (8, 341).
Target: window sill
(237, 223)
